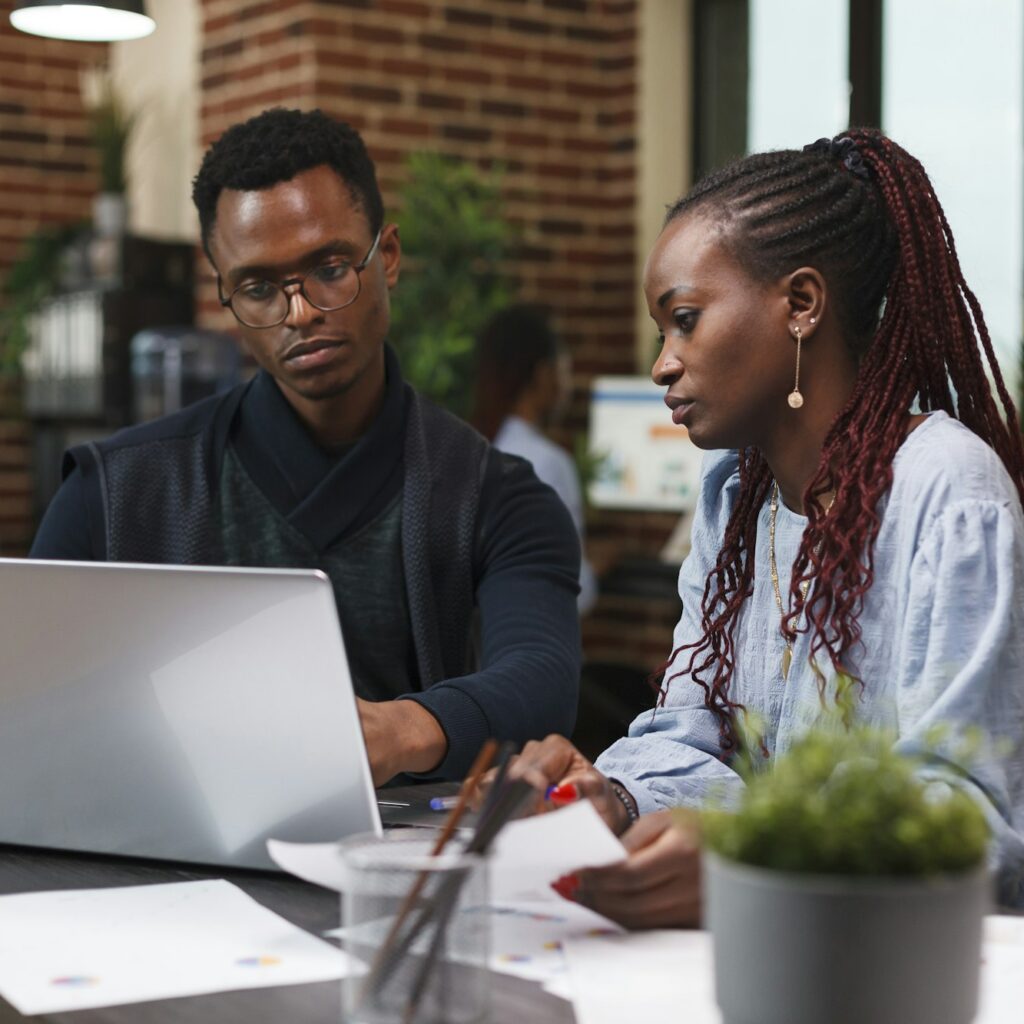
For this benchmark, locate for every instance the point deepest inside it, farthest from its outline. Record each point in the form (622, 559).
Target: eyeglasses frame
(356, 268)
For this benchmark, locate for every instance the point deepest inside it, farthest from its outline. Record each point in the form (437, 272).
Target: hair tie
(843, 148)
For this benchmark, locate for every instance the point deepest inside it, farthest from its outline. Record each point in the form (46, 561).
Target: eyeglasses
(331, 285)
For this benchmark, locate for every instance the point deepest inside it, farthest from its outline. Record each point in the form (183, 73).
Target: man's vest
(157, 488)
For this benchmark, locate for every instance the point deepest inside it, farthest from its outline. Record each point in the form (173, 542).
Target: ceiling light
(109, 21)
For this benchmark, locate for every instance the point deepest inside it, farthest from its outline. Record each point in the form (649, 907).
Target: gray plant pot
(816, 949)
(110, 214)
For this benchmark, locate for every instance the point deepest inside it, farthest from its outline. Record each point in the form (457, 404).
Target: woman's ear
(807, 299)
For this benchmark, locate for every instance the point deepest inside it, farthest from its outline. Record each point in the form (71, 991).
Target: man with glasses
(328, 460)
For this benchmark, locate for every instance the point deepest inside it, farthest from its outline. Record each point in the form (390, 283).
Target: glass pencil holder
(417, 925)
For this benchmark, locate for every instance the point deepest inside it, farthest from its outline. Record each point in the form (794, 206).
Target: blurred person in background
(523, 383)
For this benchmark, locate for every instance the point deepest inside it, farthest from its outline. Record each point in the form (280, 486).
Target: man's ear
(807, 296)
(390, 249)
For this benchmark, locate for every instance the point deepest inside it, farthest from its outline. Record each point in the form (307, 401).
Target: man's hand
(401, 736)
(657, 886)
(554, 761)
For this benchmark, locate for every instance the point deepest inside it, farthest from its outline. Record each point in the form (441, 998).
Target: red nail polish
(561, 887)
(566, 793)
(571, 885)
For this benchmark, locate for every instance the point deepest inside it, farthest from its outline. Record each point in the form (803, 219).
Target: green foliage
(846, 802)
(111, 127)
(454, 240)
(32, 278)
(588, 464)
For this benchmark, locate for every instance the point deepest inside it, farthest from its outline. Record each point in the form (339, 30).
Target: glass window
(798, 86)
(952, 94)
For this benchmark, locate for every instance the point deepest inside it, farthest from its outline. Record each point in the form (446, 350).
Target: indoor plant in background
(110, 125)
(845, 889)
(454, 243)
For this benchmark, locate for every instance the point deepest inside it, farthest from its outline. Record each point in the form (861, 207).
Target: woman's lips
(679, 412)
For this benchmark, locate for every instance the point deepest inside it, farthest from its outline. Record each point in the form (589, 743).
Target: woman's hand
(554, 761)
(657, 886)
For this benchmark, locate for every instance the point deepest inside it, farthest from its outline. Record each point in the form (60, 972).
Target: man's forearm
(401, 736)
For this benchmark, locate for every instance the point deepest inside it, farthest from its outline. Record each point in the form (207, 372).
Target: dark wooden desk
(513, 1000)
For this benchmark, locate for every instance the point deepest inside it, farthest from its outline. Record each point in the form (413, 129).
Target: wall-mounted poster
(644, 460)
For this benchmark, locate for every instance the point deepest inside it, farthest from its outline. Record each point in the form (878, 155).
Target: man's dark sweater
(277, 499)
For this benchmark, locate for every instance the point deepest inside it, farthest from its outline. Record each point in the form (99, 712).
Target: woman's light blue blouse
(942, 639)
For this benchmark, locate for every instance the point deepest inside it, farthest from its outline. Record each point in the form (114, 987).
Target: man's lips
(312, 352)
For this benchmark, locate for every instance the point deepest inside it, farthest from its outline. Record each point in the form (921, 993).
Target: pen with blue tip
(564, 793)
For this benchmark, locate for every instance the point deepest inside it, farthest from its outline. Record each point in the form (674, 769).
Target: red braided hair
(883, 242)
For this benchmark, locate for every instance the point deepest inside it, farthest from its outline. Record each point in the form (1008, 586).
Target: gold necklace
(787, 654)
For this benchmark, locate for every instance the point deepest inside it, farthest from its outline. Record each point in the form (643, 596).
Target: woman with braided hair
(860, 512)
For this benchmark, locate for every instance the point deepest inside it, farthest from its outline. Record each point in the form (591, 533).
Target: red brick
(561, 115)
(405, 126)
(407, 7)
(530, 140)
(377, 34)
(532, 82)
(439, 101)
(443, 42)
(474, 76)
(406, 68)
(501, 51)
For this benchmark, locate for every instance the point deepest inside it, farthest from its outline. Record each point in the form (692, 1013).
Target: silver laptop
(176, 712)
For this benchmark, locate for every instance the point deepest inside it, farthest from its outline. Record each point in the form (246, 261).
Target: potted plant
(111, 127)
(455, 240)
(846, 889)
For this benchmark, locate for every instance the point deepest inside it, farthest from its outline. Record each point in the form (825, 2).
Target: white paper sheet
(102, 947)
(527, 855)
(319, 863)
(651, 976)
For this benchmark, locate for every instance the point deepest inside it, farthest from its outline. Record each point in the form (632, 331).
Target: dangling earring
(795, 399)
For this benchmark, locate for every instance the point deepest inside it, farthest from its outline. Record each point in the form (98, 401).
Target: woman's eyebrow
(665, 296)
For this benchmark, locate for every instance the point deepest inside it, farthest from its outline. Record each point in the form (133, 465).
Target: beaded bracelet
(626, 797)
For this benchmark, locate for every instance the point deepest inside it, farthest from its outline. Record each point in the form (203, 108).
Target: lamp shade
(106, 21)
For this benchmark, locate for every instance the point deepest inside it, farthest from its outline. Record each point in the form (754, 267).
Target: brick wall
(47, 177)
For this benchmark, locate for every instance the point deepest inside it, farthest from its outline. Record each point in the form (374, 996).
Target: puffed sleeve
(961, 668)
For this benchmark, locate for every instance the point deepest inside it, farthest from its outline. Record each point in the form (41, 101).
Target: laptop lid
(177, 712)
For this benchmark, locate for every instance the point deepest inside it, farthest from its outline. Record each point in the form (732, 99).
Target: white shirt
(554, 467)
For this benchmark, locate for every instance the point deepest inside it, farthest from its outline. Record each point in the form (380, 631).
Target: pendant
(787, 660)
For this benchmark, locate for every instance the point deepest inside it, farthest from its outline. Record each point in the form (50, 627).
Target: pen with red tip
(562, 793)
